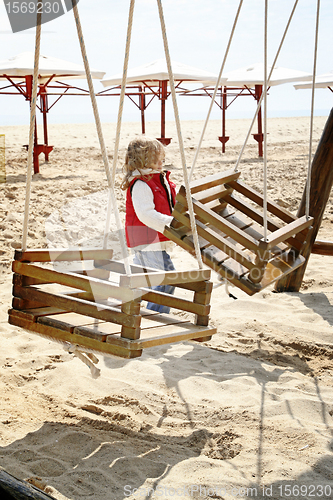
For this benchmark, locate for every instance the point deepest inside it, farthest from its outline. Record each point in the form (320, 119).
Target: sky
(198, 32)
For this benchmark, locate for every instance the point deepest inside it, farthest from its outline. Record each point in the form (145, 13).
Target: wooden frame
(105, 315)
(230, 224)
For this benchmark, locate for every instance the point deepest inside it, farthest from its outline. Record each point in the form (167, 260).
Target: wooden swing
(230, 226)
(97, 309)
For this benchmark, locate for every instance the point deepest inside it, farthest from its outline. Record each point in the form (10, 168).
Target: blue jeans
(158, 260)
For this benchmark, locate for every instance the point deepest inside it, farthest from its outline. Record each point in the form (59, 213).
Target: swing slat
(61, 255)
(284, 233)
(213, 180)
(258, 198)
(257, 216)
(80, 306)
(164, 278)
(100, 288)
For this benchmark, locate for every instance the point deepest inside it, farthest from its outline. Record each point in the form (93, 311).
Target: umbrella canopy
(322, 82)
(23, 65)
(254, 75)
(157, 71)
(19, 70)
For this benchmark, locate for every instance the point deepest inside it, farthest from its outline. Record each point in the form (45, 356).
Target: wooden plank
(203, 243)
(119, 267)
(216, 206)
(231, 274)
(242, 283)
(33, 314)
(131, 308)
(224, 225)
(20, 280)
(99, 332)
(66, 321)
(59, 335)
(255, 196)
(61, 255)
(257, 216)
(165, 278)
(201, 286)
(173, 235)
(206, 196)
(289, 230)
(222, 243)
(88, 284)
(280, 266)
(251, 212)
(179, 208)
(214, 253)
(164, 335)
(256, 232)
(150, 321)
(175, 302)
(80, 306)
(21, 304)
(213, 180)
(90, 333)
(202, 298)
(322, 247)
(98, 272)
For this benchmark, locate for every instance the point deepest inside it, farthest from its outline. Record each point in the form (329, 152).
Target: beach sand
(247, 414)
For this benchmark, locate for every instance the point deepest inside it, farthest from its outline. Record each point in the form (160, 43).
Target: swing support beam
(321, 185)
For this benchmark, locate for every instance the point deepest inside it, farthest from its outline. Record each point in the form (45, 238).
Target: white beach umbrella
(19, 70)
(22, 65)
(321, 82)
(253, 74)
(157, 71)
(155, 74)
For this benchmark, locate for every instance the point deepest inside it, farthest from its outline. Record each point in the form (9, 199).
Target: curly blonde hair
(142, 153)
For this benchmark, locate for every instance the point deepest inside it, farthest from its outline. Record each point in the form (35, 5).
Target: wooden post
(321, 184)
(13, 488)
(131, 308)
(202, 296)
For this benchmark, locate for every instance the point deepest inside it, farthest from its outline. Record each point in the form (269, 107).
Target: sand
(247, 414)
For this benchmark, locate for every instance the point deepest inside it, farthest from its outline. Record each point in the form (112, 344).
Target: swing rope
(31, 132)
(180, 139)
(120, 114)
(308, 182)
(269, 77)
(215, 90)
(265, 214)
(100, 137)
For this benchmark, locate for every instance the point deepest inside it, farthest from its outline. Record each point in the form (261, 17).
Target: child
(150, 198)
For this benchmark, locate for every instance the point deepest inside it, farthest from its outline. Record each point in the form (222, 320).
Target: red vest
(138, 233)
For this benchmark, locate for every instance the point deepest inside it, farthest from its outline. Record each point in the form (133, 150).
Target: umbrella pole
(142, 108)
(259, 137)
(46, 149)
(163, 97)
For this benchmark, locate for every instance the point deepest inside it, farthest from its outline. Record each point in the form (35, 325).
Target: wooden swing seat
(230, 226)
(97, 307)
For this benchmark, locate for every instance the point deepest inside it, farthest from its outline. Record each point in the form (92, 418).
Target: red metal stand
(223, 138)
(163, 95)
(259, 137)
(39, 148)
